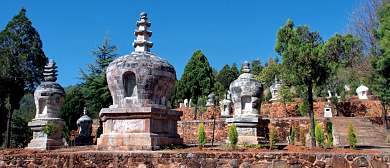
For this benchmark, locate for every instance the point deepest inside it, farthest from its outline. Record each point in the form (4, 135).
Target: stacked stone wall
(352, 108)
(188, 130)
(195, 159)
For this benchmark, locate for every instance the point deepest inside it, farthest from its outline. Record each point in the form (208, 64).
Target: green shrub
(352, 137)
(320, 137)
(50, 128)
(201, 136)
(273, 137)
(292, 135)
(269, 96)
(329, 132)
(303, 137)
(233, 136)
(304, 107)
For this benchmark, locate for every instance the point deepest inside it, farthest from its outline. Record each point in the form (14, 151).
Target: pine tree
(201, 136)
(292, 135)
(197, 79)
(273, 137)
(302, 137)
(226, 76)
(300, 49)
(329, 132)
(22, 61)
(95, 87)
(320, 137)
(233, 136)
(352, 136)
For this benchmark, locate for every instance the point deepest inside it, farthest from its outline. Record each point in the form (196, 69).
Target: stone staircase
(367, 133)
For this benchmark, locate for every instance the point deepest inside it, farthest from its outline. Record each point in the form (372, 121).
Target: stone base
(137, 141)
(45, 144)
(40, 140)
(142, 128)
(81, 141)
(250, 130)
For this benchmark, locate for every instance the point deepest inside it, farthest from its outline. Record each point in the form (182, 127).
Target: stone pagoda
(84, 125)
(140, 84)
(246, 93)
(362, 91)
(48, 98)
(275, 90)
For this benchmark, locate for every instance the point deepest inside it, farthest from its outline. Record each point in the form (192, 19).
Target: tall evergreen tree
(96, 92)
(22, 61)
(226, 76)
(197, 79)
(256, 67)
(300, 49)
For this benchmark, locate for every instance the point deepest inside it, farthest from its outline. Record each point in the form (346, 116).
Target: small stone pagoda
(362, 91)
(246, 93)
(48, 98)
(275, 90)
(84, 125)
(140, 84)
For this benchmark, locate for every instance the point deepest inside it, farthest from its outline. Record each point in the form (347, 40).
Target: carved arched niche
(42, 107)
(246, 104)
(130, 84)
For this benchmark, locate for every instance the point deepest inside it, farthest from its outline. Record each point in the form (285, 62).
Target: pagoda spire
(142, 42)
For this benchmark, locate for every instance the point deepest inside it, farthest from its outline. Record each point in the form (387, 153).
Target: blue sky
(226, 31)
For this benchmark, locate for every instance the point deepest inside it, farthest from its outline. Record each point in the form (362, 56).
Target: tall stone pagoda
(246, 93)
(140, 84)
(48, 98)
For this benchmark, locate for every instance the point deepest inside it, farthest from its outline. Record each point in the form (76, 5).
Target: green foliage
(329, 132)
(226, 76)
(320, 137)
(302, 137)
(22, 133)
(256, 67)
(72, 109)
(304, 107)
(96, 92)
(285, 93)
(233, 136)
(273, 137)
(267, 75)
(201, 136)
(380, 62)
(292, 135)
(197, 79)
(269, 96)
(352, 136)
(50, 128)
(173, 103)
(22, 61)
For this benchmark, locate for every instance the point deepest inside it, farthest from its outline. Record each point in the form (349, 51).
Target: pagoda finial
(246, 68)
(50, 71)
(142, 42)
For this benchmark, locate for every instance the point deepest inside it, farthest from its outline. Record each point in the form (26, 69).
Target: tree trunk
(311, 112)
(195, 111)
(9, 119)
(384, 120)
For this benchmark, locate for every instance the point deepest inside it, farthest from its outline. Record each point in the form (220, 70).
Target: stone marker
(327, 111)
(211, 100)
(140, 84)
(246, 92)
(84, 125)
(48, 98)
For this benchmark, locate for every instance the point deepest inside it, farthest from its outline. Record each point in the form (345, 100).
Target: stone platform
(42, 141)
(144, 128)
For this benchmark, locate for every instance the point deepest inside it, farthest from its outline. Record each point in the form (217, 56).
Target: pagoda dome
(140, 79)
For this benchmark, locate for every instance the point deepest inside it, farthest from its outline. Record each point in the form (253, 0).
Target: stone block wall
(196, 159)
(354, 108)
(188, 130)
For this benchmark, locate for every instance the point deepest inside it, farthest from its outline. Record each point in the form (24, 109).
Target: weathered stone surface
(378, 164)
(360, 162)
(280, 164)
(338, 161)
